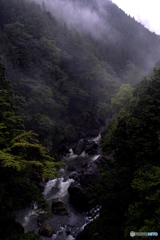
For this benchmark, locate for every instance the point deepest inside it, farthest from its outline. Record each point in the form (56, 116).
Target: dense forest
(63, 78)
(129, 191)
(57, 76)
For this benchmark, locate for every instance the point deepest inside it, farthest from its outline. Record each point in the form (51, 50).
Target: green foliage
(63, 77)
(10, 123)
(129, 192)
(121, 98)
(26, 236)
(143, 215)
(25, 153)
(24, 163)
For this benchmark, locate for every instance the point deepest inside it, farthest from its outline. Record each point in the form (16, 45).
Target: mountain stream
(65, 227)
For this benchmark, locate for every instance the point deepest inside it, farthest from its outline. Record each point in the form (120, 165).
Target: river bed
(65, 227)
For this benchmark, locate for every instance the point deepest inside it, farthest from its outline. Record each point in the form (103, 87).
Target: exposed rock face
(74, 175)
(78, 195)
(84, 164)
(90, 175)
(79, 148)
(46, 230)
(91, 147)
(100, 161)
(83, 144)
(58, 207)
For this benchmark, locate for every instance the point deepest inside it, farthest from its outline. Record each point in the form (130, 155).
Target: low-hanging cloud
(90, 18)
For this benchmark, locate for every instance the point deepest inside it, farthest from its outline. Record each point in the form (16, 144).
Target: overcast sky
(145, 11)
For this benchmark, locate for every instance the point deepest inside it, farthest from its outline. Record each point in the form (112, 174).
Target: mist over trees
(72, 64)
(61, 76)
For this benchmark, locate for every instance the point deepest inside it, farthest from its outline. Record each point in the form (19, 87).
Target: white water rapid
(65, 227)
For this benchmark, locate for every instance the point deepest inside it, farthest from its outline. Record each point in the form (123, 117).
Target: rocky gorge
(69, 196)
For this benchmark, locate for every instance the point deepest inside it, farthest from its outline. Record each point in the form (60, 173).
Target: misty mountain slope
(65, 77)
(116, 32)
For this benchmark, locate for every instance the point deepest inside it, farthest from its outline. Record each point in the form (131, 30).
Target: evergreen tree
(24, 162)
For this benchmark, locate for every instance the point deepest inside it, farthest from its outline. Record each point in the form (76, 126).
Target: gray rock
(74, 176)
(58, 207)
(71, 168)
(46, 230)
(100, 161)
(80, 147)
(90, 175)
(91, 147)
(78, 195)
(84, 164)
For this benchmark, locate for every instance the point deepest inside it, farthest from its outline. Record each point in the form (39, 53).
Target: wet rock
(106, 161)
(90, 175)
(74, 176)
(80, 147)
(78, 195)
(71, 168)
(46, 230)
(100, 161)
(58, 207)
(68, 231)
(84, 164)
(91, 147)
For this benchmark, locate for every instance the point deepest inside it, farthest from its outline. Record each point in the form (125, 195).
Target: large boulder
(79, 148)
(58, 207)
(90, 175)
(78, 195)
(91, 147)
(100, 161)
(46, 230)
(74, 175)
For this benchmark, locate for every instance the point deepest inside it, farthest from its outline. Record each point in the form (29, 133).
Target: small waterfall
(28, 218)
(97, 139)
(94, 158)
(57, 188)
(65, 227)
(71, 155)
(91, 215)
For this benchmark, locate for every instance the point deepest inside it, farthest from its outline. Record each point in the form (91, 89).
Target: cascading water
(68, 226)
